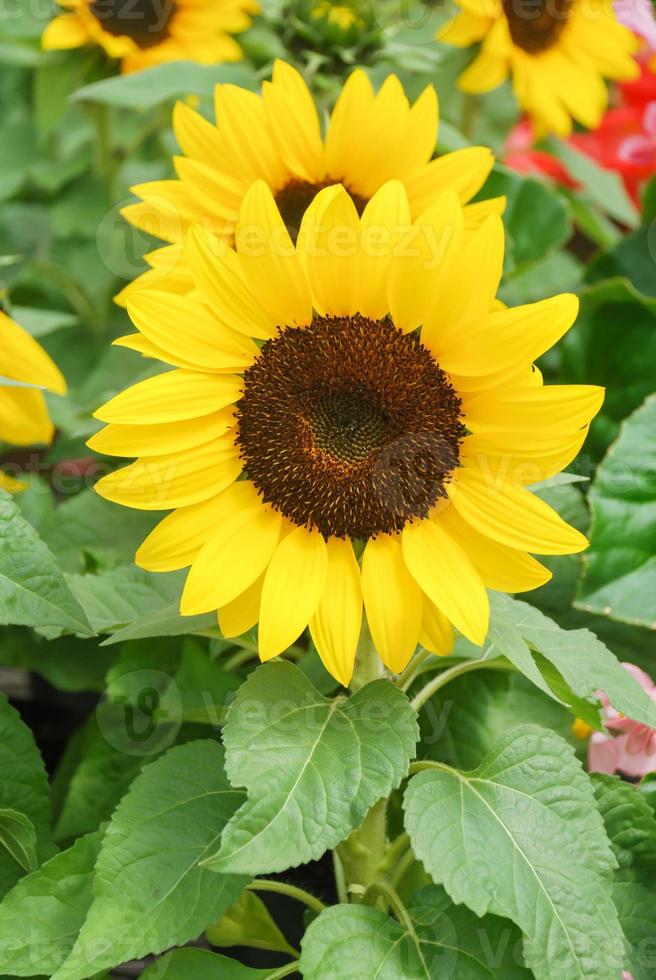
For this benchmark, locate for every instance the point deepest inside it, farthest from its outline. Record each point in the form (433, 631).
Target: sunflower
(557, 51)
(352, 421)
(141, 33)
(25, 368)
(276, 137)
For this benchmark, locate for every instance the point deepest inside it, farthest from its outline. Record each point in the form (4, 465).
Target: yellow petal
(269, 261)
(23, 359)
(436, 633)
(463, 171)
(392, 600)
(196, 137)
(384, 225)
(329, 247)
(237, 553)
(24, 418)
(335, 626)
(447, 576)
(241, 615)
(175, 542)
(174, 480)
(65, 31)
(172, 397)
(167, 437)
(181, 326)
(455, 302)
(217, 272)
(293, 586)
(346, 123)
(500, 567)
(436, 237)
(549, 410)
(513, 516)
(294, 122)
(521, 459)
(507, 339)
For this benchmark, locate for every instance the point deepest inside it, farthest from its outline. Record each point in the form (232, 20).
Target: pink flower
(632, 751)
(638, 16)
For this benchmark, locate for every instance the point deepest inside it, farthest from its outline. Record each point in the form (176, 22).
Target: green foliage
(24, 800)
(620, 567)
(248, 923)
(437, 940)
(520, 837)
(149, 889)
(312, 766)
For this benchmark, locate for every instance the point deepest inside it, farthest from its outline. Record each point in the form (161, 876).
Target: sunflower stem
(449, 675)
(368, 665)
(362, 854)
(291, 891)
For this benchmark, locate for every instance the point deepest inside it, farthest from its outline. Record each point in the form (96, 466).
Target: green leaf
(33, 591)
(42, 915)
(248, 923)
(630, 256)
(149, 891)
(86, 532)
(463, 724)
(18, 837)
(584, 663)
(200, 964)
(520, 837)
(42, 322)
(23, 788)
(147, 89)
(631, 827)
(166, 621)
(549, 227)
(439, 940)
(620, 566)
(124, 595)
(613, 344)
(312, 767)
(605, 187)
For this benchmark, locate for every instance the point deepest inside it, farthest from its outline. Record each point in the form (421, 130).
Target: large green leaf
(620, 567)
(631, 827)
(23, 788)
(200, 964)
(149, 891)
(439, 940)
(42, 915)
(613, 344)
(33, 591)
(86, 532)
(18, 837)
(582, 660)
(146, 89)
(520, 836)
(604, 186)
(312, 767)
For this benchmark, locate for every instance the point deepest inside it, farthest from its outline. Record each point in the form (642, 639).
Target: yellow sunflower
(141, 33)
(352, 421)
(25, 368)
(557, 51)
(277, 137)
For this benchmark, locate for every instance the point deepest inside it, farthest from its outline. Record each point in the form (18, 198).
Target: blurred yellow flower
(141, 33)
(558, 53)
(24, 416)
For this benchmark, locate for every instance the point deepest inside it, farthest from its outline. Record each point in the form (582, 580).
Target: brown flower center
(349, 426)
(536, 25)
(145, 21)
(296, 196)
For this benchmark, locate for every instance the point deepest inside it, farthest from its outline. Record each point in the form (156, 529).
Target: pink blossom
(632, 750)
(640, 149)
(638, 16)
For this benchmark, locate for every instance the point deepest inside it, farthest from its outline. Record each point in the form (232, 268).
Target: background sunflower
(558, 54)
(150, 32)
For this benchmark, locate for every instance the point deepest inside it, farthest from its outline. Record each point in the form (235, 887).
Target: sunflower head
(370, 138)
(352, 422)
(25, 370)
(339, 32)
(148, 32)
(557, 52)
